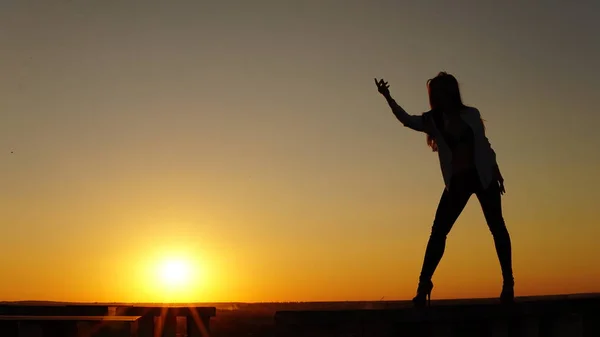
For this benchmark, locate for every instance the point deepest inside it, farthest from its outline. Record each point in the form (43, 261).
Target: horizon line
(588, 294)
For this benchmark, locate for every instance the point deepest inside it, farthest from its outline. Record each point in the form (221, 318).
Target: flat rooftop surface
(443, 311)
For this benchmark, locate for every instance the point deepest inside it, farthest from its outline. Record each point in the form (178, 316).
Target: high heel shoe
(507, 296)
(423, 297)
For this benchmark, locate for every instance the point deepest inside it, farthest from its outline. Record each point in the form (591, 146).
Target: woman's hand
(501, 185)
(383, 87)
(498, 178)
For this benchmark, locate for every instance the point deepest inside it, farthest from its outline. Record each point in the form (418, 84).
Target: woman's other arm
(497, 174)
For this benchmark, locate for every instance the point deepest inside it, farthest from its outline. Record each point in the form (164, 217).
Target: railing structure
(536, 318)
(103, 321)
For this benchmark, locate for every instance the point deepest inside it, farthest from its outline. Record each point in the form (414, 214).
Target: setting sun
(175, 273)
(174, 276)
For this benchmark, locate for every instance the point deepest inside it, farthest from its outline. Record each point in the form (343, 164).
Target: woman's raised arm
(414, 122)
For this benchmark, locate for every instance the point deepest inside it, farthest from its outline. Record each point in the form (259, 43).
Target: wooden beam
(165, 310)
(53, 310)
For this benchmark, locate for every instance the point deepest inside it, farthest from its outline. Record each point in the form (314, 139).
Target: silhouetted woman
(468, 163)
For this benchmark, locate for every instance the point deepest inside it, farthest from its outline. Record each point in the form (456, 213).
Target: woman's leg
(491, 204)
(451, 205)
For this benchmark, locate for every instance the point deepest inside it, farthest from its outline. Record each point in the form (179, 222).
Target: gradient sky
(248, 139)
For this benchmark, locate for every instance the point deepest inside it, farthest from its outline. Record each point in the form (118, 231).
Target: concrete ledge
(555, 317)
(444, 312)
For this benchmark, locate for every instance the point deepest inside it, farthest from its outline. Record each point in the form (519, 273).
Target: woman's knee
(497, 227)
(438, 231)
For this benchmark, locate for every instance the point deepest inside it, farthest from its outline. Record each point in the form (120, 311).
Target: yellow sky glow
(198, 151)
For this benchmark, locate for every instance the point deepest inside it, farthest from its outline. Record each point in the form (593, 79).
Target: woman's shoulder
(427, 116)
(471, 110)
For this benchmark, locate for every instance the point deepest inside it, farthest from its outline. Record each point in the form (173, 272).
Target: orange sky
(248, 140)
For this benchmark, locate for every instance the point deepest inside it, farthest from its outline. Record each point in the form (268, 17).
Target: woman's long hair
(444, 97)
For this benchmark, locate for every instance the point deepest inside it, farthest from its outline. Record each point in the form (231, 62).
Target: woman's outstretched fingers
(382, 86)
